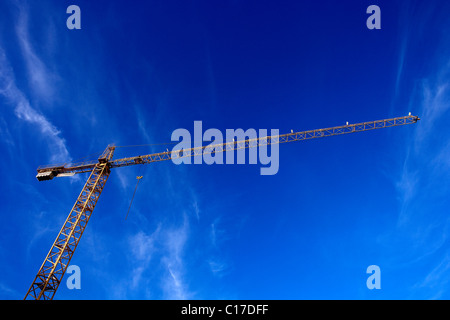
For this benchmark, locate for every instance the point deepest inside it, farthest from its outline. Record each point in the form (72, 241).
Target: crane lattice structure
(52, 270)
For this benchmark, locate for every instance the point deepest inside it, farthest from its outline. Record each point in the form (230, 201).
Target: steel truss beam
(55, 264)
(261, 141)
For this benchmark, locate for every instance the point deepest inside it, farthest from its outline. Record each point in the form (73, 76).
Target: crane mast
(52, 270)
(55, 264)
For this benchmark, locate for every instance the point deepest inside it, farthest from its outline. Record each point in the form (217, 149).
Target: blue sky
(138, 70)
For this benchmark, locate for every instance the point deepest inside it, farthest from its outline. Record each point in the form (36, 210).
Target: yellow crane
(52, 270)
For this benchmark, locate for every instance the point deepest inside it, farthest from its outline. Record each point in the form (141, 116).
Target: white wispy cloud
(5, 134)
(216, 262)
(174, 285)
(163, 253)
(8, 292)
(437, 279)
(428, 96)
(426, 160)
(143, 249)
(24, 111)
(426, 163)
(41, 84)
(41, 78)
(217, 267)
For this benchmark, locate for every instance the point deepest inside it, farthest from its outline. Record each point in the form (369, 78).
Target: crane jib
(68, 169)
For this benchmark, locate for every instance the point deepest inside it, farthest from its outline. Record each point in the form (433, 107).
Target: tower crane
(52, 270)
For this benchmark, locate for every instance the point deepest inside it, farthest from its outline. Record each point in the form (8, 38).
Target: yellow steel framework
(55, 264)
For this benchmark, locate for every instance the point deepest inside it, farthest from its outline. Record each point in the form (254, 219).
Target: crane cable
(147, 145)
(138, 179)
